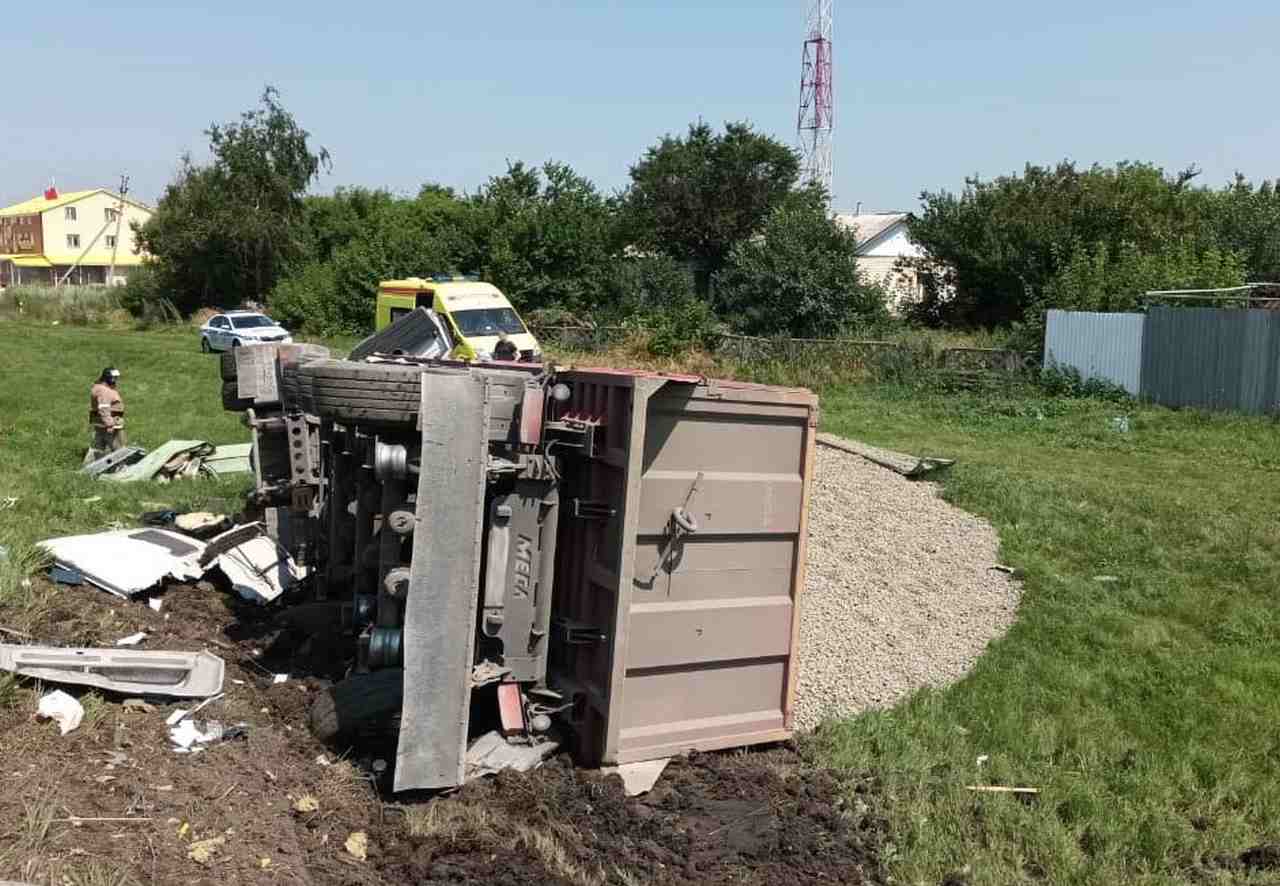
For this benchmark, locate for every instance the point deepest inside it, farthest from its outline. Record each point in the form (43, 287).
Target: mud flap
(444, 581)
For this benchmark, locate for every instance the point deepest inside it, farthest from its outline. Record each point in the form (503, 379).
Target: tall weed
(72, 305)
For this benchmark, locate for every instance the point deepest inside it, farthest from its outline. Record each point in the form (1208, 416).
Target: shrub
(799, 277)
(74, 305)
(1066, 381)
(309, 300)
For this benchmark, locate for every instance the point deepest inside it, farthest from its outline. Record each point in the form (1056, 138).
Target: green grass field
(171, 391)
(1145, 709)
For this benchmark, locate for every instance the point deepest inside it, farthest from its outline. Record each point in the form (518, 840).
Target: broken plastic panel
(177, 674)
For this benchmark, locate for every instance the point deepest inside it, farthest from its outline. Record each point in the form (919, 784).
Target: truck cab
(476, 313)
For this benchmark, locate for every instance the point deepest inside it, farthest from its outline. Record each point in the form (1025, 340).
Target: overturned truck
(531, 556)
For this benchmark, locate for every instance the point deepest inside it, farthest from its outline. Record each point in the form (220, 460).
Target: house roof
(867, 226)
(93, 259)
(99, 258)
(42, 204)
(28, 261)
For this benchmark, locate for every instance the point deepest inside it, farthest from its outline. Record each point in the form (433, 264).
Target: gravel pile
(900, 591)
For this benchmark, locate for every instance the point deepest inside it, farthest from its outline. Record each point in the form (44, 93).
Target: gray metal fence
(1208, 358)
(1106, 346)
(1212, 358)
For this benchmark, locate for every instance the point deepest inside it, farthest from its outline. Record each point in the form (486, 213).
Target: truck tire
(295, 392)
(390, 394)
(227, 365)
(362, 392)
(231, 400)
(360, 702)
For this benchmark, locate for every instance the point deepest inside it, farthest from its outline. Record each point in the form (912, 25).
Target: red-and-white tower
(815, 120)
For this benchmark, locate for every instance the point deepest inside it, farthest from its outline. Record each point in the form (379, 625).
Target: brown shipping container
(694, 650)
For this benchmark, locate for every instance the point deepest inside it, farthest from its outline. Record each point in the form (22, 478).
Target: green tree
(331, 221)
(361, 238)
(1247, 220)
(1100, 279)
(543, 237)
(226, 231)
(999, 243)
(799, 277)
(644, 285)
(695, 198)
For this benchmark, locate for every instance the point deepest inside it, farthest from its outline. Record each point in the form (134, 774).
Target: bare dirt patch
(262, 809)
(762, 817)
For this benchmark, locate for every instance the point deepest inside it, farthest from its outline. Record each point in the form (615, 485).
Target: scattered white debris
(200, 523)
(61, 708)
(175, 717)
(208, 701)
(152, 672)
(258, 568)
(187, 733)
(155, 603)
(203, 851)
(322, 760)
(238, 682)
(281, 678)
(132, 639)
(983, 758)
(638, 778)
(358, 845)
(491, 753)
(128, 561)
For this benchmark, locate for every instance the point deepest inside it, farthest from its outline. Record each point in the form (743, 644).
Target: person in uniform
(505, 349)
(106, 416)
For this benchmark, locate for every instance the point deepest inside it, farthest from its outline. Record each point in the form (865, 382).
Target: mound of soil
(762, 817)
(112, 802)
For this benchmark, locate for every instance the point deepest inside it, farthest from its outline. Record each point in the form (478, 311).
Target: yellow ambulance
(476, 313)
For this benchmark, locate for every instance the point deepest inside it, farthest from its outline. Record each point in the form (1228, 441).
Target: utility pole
(115, 244)
(815, 119)
(124, 189)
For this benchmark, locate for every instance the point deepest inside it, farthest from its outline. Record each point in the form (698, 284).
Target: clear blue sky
(407, 92)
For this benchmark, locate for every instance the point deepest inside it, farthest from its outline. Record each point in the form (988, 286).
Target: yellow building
(84, 233)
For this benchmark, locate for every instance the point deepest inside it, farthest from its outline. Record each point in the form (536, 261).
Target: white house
(882, 243)
(79, 236)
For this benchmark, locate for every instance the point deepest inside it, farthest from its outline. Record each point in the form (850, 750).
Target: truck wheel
(227, 365)
(360, 702)
(295, 391)
(204, 345)
(231, 400)
(355, 392)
